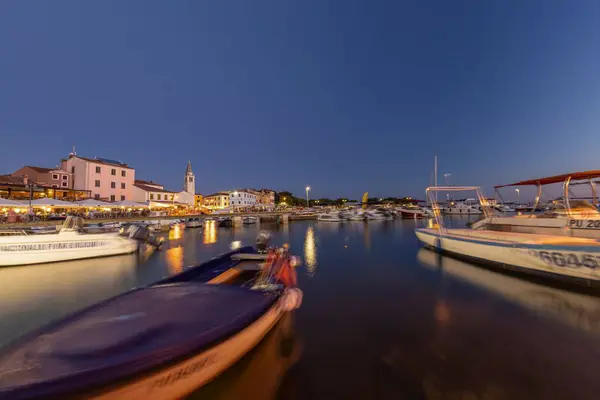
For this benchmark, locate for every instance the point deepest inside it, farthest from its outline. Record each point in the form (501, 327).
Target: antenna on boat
(435, 174)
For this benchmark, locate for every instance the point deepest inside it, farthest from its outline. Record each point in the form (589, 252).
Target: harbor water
(382, 317)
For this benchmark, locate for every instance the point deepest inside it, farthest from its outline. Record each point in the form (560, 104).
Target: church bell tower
(190, 180)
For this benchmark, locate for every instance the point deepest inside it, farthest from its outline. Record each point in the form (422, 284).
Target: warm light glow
(5, 209)
(310, 251)
(174, 257)
(175, 233)
(48, 209)
(307, 188)
(210, 232)
(17, 210)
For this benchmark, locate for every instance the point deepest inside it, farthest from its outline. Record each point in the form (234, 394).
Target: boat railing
(14, 232)
(485, 205)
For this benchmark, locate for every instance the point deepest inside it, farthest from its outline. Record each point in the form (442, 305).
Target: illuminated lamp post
(307, 189)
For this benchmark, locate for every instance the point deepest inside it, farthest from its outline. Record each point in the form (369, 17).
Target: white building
(188, 195)
(242, 198)
(106, 179)
(148, 191)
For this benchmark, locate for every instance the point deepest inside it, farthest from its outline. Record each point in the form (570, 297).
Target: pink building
(106, 179)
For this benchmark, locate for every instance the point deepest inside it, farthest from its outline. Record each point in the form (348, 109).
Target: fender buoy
(292, 299)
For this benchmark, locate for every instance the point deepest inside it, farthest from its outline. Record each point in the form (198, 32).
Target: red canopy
(575, 176)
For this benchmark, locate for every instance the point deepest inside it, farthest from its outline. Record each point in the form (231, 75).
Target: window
(123, 173)
(113, 171)
(151, 196)
(122, 197)
(122, 185)
(98, 170)
(65, 184)
(158, 196)
(64, 178)
(112, 197)
(113, 185)
(97, 196)
(191, 179)
(55, 176)
(54, 186)
(97, 183)
(172, 197)
(72, 170)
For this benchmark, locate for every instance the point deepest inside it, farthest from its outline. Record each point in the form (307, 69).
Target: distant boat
(330, 217)
(467, 207)
(249, 220)
(193, 222)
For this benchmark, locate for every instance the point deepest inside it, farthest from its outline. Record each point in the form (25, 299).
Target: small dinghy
(163, 341)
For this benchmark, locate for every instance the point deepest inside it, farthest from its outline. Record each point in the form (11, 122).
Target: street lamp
(307, 189)
(518, 195)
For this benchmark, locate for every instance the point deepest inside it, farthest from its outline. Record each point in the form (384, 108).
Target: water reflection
(260, 373)
(210, 232)
(174, 258)
(176, 232)
(34, 295)
(310, 251)
(572, 308)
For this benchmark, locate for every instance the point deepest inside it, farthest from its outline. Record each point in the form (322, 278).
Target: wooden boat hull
(571, 260)
(412, 214)
(187, 376)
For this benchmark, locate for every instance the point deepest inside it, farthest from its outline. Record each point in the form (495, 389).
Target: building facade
(242, 198)
(217, 201)
(148, 191)
(265, 197)
(55, 183)
(106, 179)
(198, 200)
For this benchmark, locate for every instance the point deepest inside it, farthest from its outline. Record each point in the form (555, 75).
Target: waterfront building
(198, 200)
(55, 183)
(148, 191)
(105, 179)
(265, 197)
(217, 201)
(242, 198)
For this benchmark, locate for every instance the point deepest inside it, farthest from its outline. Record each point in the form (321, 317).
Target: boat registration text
(584, 223)
(568, 260)
(52, 246)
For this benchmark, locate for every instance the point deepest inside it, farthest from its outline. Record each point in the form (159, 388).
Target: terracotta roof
(143, 182)
(104, 161)
(15, 180)
(218, 194)
(152, 189)
(42, 170)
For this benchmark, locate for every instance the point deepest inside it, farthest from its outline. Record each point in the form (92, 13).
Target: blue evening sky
(346, 96)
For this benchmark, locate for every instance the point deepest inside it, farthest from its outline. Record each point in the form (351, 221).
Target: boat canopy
(128, 335)
(575, 176)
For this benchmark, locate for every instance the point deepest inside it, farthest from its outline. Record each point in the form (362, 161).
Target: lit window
(158, 196)
(151, 196)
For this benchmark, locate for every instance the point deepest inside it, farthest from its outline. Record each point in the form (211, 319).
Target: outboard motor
(141, 233)
(262, 241)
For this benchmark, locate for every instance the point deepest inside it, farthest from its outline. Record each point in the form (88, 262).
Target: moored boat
(557, 257)
(566, 217)
(412, 212)
(193, 222)
(158, 342)
(249, 220)
(68, 244)
(330, 217)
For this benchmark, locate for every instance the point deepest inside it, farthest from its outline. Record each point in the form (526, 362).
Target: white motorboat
(330, 217)
(193, 222)
(558, 257)
(377, 215)
(356, 215)
(249, 220)
(467, 207)
(578, 218)
(503, 208)
(68, 244)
